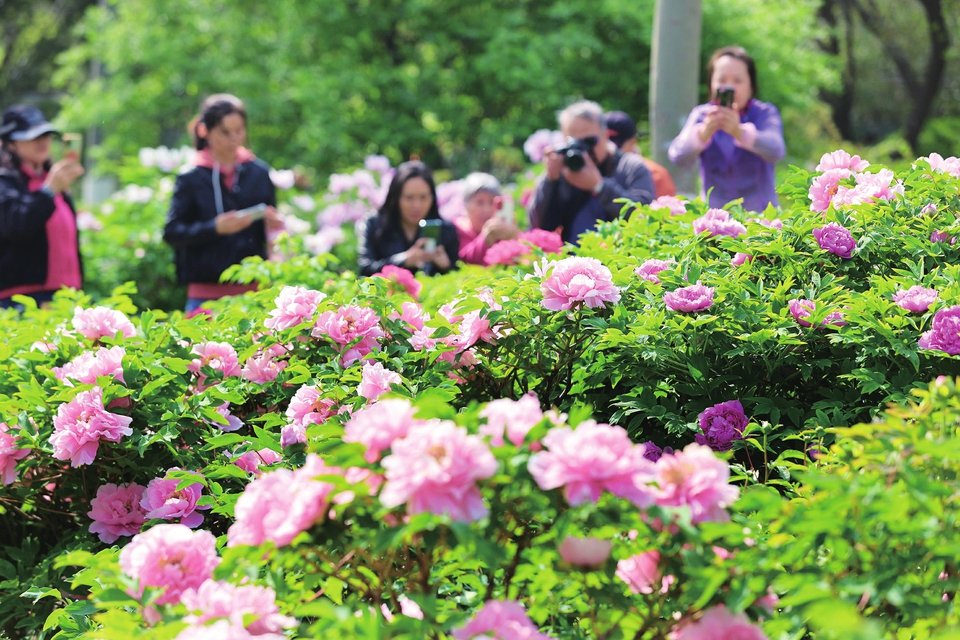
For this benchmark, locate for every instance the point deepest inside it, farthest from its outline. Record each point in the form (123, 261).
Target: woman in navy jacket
(203, 224)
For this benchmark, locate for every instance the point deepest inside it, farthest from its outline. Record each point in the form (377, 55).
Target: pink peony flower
(219, 356)
(718, 623)
(90, 365)
(170, 557)
(162, 500)
(513, 418)
(801, 309)
(281, 504)
(230, 422)
(376, 426)
(942, 236)
(589, 460)
(650, 268)
(944, 333)
(375, 380)
(412, 314)
(674, 204)
(9, 454)
(573, 281)
(503, 619)
(539, 141)
(306, 407)
(435, 468)
(740, 259)
(869, 188)
(840, 159)
(642, 572)
(251, 460)
(251, 607)
(836, 239)
(402, 277)
(506, 252)
(824, 187)
(929, 209)
(770, 223)
(81, 424)
(294, 306)
(546, 241)
(717, 222)
(696, 479)
(585, 552)
(116, 511)
(376, 164)
(949, 165)
(721, 425)
(224, 630)
(690, 299)
(356, 330)
(264, 366)
(916, 299)
(101, 322)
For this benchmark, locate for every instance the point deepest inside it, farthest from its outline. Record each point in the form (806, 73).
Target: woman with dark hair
(737, 138)
(39, 245)
(408, 231)
(221, 208)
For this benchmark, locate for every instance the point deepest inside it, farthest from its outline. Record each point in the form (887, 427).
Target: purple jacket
(730, 169)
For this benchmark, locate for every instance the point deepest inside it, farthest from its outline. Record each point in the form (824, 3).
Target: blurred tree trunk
(841, 101)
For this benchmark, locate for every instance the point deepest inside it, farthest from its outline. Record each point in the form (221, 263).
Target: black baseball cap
(24, 122)
(620, 127)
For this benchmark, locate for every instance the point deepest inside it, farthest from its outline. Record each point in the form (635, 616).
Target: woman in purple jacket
(737, 138)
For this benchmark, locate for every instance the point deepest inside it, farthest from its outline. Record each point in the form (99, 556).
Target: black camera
(574, 151)
(725, 96)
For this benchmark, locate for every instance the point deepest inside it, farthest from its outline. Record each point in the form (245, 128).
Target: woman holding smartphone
(737, 138)
(39, 244)
(407, 231)
(222, 207)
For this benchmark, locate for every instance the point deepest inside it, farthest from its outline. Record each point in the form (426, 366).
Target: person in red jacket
(623, 133)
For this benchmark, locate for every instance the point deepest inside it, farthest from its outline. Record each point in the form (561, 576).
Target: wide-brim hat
(24, 122)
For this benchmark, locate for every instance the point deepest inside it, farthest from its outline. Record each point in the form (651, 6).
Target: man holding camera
(586, 176)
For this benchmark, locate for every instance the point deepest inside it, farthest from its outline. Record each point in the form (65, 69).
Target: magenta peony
(90, 365)
(801, 309)
(718, 623)
(355, 330)
(546, 241)
(81, 424)
(916, 299)
(717, 222)
(942, 236)
(170, 557)
(375, 380)
(591, 459)
(510, 418)
(642, 573)
(435, 469)
(696, 297)
(293, 306)
(248, 606)
(9, 454)
(377, 426)
(721, 425)
(101, 322)
(674, 204)
(585, 552)
(651, 267)
(500, 619)
(835, 238)
(574, 281)
(944, 333)
(162, 500)
(696, 479)
(116, 511)
(402, 277)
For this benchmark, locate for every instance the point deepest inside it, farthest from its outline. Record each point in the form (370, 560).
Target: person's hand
(230, 222)
(587, 178)
(728, 120)
(274, 220)
(440, 258)
(497, 229)
(416, 256)
(553, 161)
(63, 174)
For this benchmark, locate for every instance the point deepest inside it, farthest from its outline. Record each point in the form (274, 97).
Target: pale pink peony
(836, 239)
(281, 504)
(718, 624)
(90, 365)
(575, 281)
(219, 356)
(510, 418)
(377, 164)
(801, 309)
(916, 299)
(696, 479)
(506, 252)
(81, 424)
(402, 277)
(264, 366)
(248, 606)
(376, 426)
(293, 306)
(944, 333)
(696, 297)
(101, 322)
(717, 222)
(283, 178)
(642, 573)
(9, 454)
(375, 380)
(251, 460)
(650, 268)
(840, 159)
(824, 187)
(949, 165)
(499, 619)
(356, 331)
(306, 407)
(539, 141)
(162, 500)
(676, 206)
(546, 241)
(116, 511)
(869, 188)
(170, 557)
(435, 468)
(585, 552)
(591, 459)
(224, 630)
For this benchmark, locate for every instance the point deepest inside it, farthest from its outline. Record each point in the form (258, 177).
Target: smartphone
(430, 229)
(725, 96)
(256, 212)
(72, 146)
